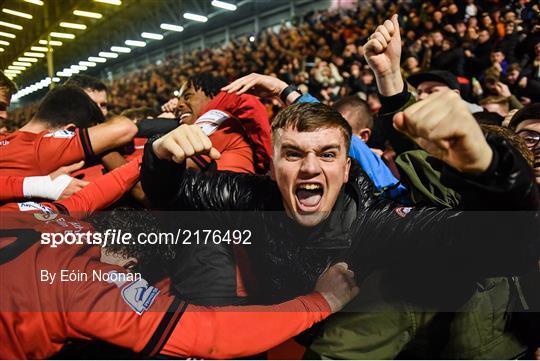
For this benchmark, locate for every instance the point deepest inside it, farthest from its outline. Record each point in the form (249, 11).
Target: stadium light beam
(1, 50)
(87, 63)
(195, 17)
(10, 25)
(172, 27)
(17, 13)
(106, 54)
(7, 35)
(135, 43)
(56, 34)
(35, 2)
(52, 42)
(224, 5)
(120, 49)
(34, 55)
(31, 60)
(110, 2)
(22, 63)
(67, 25)
(39, 48)
(87, 14)
(3, 42)
(153, 36)
(96, 59)
(16, 67)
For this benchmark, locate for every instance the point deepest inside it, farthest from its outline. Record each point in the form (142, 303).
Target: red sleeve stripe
(165, 328)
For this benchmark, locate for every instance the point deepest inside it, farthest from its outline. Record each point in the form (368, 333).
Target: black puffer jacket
(367, 232)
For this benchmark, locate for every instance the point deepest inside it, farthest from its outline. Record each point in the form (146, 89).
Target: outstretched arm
(106, 190)
(164, 324)
(383, 55)
(168, 184)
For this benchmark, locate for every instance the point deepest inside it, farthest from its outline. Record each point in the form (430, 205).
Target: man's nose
(310, 165)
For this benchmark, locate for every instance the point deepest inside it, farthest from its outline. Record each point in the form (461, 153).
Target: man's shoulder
(59, 134)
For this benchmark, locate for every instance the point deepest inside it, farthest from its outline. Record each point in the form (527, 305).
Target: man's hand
(170, 106)
(443, 125)
(383, 53)
(167, 115)
(184, 142)
(337, 285)
(75, 185)
(263, 86)
(57, 185)
(503, 90)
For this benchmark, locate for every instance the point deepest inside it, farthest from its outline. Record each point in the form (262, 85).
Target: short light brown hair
(308, 117)
(494, 100)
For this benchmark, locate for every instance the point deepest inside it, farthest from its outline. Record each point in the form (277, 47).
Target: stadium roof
(88, 33)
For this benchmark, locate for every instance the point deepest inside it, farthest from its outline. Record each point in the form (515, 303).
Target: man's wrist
(289, 94)
(390, 84)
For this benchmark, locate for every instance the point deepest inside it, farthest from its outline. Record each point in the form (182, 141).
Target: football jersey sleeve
(240, 331)
(11, 187)
(104, 191)
(62, 147)
(124, 313)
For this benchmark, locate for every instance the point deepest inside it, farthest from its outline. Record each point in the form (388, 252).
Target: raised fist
(383, 48)
(443, 125)
(184, 142)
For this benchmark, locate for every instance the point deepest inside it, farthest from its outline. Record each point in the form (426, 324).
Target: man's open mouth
(308, 196)
(184, 115)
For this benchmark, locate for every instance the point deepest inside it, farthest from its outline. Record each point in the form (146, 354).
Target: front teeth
(310, 187)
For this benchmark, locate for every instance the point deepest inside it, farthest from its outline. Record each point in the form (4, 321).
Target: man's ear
(364, 134)
(347, 169)
(457, 91)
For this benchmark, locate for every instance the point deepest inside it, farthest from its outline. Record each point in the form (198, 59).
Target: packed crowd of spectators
(363, 145)
(481, 42)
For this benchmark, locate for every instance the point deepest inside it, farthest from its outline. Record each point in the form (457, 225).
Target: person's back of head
(357, 113)
(86, 82)
(68, 104)
(95, 88)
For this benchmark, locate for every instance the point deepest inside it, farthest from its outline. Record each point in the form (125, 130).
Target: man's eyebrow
(330, 146)
(288, 145)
